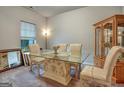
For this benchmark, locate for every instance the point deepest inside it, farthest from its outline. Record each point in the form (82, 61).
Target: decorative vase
(55, 48)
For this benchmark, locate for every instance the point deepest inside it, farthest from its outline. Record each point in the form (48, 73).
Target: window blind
(28, 30)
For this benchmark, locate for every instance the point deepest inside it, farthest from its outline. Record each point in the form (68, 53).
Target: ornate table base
(58, 71)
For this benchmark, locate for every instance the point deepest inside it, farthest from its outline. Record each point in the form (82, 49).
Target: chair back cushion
(75, 50)
(34, 49)
(111, 60)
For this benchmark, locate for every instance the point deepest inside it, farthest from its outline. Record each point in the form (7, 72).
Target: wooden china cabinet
(108, 33)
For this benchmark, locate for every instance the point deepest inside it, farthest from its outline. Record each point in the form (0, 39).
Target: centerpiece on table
(55, 48)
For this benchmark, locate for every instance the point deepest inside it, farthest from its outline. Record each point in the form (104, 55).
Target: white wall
(123, 9)
(69, 27)
(10, 25)
(77, 26)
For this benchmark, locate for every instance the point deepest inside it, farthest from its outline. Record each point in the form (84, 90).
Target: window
(28, 35)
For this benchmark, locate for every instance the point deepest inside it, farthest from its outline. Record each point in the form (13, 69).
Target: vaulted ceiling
(49, 11)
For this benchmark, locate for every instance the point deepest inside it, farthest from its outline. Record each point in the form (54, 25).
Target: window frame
(26, 38)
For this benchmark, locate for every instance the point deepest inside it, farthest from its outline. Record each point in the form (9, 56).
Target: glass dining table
(60, 65)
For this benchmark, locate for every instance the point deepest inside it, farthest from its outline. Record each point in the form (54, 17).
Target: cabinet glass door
(98, 41)
(107, 39)
(120, 36)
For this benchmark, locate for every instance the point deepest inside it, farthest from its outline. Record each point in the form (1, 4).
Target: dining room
(51, 46)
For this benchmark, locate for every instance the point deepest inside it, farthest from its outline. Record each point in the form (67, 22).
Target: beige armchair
(35, 60)
(94, 76)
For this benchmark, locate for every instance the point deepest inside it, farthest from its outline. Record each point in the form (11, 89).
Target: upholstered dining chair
(35, 60)
(94, 76)
(75, 50)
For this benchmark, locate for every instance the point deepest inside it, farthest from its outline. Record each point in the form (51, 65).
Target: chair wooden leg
(76, 72)
(79, 70)
(31, 67)
(38, 69)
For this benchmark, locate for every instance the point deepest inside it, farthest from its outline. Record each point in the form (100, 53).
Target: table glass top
(63, 56)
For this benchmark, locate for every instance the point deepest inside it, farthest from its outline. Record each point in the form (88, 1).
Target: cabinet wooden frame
(99, 52)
